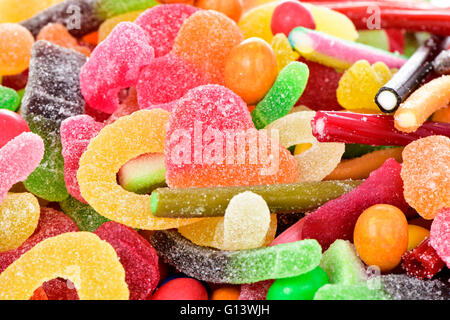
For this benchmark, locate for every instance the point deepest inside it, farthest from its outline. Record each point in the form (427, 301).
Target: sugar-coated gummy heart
(142, 132)
(12, 125)
(51, 223)
(89, 262)
(213, 35)
(76, 133)
(137, 256)
(426, 175)
(19, 216)
(359, 291)
(18, 159)
(402, 287)
(15, 48)
(243, 266)
(86, 218)
(166, 79)
(196, 144)
(181, 289)
(115, 64)
(163, 23)
(439, 234)
(52, 95)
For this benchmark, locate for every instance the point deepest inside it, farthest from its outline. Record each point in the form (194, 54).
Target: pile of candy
(224, 150)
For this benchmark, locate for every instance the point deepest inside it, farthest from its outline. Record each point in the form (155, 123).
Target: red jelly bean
(181, 289)
(291, 14)
(11, 124)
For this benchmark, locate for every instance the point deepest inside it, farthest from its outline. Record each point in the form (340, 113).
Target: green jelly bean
(85, 217)
(9, 99)
(212, 202)
(342, 264)
(360, 291)
(236, 267)
(302, 287)
(281, 98)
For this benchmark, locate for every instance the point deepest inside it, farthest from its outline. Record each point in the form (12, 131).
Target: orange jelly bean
(416, 235)
(231, 8)
(226, 293)
(251, 69)
(381, 236)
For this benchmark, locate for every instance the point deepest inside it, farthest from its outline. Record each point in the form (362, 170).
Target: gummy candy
(290, 14)
(256, 22)
(138, 258)
(19, 215)
(209, 113)
(416, 234)
(255, 291)
(163, 23)
(181, 289)
(234, 267)
(76, 133)
(12, 125)
(402, 287)
(422, 262)
(251, 70)
(375, 38)
(15, 48)
(57, 33)
(52, 95)
(115, 64)
(213, 35)
(381, 236)
(108, 25)
(231, 8)
(283, 51)
(440, 233)
(359, 291)
(58, 289)
(167, 79)
(342, 264)
(18, 159)
(127, 107)
(426, 175)
(107, 152)
(90, 263)
(16, 10)
(86, 218)
(9, 99)
(360, 83)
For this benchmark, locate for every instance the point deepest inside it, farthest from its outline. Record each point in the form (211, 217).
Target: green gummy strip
(360, 291)
(110, 8)
(84, 216)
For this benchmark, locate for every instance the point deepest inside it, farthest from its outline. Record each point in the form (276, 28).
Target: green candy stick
(9, 99)
(85, 217)
(281, 98)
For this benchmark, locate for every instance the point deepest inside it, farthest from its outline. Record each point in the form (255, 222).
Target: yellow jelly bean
(129, 137)
(19, 216)
(284, 53)
(82, 257)
(416, 235)
(108, 25)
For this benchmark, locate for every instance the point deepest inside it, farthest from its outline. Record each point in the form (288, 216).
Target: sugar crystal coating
(359, 291)
(402, 287)
(86, 218)
(439, 234)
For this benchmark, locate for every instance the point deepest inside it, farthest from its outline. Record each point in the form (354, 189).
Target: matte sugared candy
(167, 79)
(181, 289)
(19, 216)
(9, 99)
(234, 267)
(18, 159)
(360, 83)
(163, 23)
(127, 107)
(86, 218)
(142, 132)
(255, 291)
(15, 48)
(426, 175)
(108, 25)
(402, 287)
(283, 51)
(342, 264)
(137, 256)
(439, 234)
(115, 64)
(52, 95)
(423, 262)
(76, 133)
(57, 33)
(359, 291)
(213, 35)
(211, 141)
(82, 257)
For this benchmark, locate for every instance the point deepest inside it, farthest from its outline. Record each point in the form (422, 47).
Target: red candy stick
(376, 130)
(422, 262)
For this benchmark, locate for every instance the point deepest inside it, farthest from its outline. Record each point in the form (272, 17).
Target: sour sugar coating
(128, 137)
(283, 95)
(167, 79)
(338, 53)
(235, 267)
(163, 23)
(426, 175)
(82, 257)
(402, 287)
(86, 218)
(115, 64)
(211, 141)
(422, 103)
(439, 234)
(57, 33)
(76, 133)
(15, 48)
(423, 262)
(137, 257)
(213, 35)
(359, 291)
(9, 99)
(19, 216)
(283, 51)
(342, 264)
(18, 159)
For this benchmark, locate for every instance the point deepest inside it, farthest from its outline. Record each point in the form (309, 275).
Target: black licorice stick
(442, 63)
(410, 75)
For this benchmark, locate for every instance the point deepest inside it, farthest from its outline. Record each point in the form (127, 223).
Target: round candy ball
(181, 289)
(15, 48)
(302, 287)
(226, 293)
(381, 236)
(11, 125)
(291, 14)
(231, 8)
(251, 69)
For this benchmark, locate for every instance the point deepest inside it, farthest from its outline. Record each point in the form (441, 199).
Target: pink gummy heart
(440, 235)
(137, 256)
(203, 147)
(76, 133)
(162, 24)
(115, 64)
(18, 159)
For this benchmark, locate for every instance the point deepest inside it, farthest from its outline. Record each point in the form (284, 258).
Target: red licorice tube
(376, 130)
